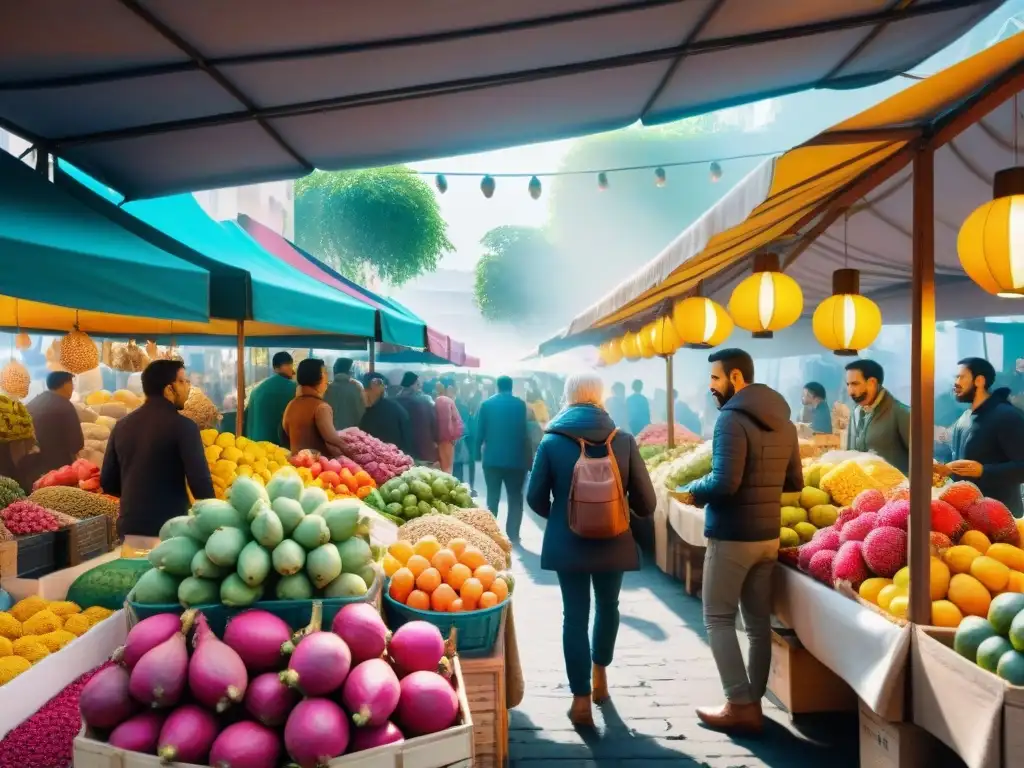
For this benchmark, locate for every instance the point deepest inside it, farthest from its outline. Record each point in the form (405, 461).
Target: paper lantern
(660, 179)
(610, 352)
(846, 322)
(991, 240)
(487, 186)
(664, 338)
(768, 300)
(645, 343)
(701, 322)
(630, 346)
(534, 188)
(715, 172)
(441, 183)
(602, 181)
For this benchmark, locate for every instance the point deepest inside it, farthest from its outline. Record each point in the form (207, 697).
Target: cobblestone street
(663, 669)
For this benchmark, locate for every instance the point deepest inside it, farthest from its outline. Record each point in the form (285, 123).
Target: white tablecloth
(688, 522)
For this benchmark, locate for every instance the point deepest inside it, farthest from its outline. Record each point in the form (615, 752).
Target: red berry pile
(26, 517)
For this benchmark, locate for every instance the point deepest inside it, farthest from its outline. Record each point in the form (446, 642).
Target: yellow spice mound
(11, 667)
(10, 627)
(77, 624)
(42, 622)
(30, 648)
(25, 609)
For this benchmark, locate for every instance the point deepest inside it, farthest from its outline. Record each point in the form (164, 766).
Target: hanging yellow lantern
(645, 343)
(701, 322)
(767, 300)
(663, 336)
(847, 322)
(990, 244)
(610, 352)
(630, 346)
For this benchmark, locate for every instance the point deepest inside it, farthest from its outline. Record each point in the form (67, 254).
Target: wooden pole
(240, 388)
(670, 410)
(922, 382)
(372, 346)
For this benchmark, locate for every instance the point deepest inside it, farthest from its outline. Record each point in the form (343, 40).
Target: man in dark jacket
(988, 439)
(55, 419)
(268, 400)
(756, 458)
(880, 423)
(345, 396)
(503, 443)
(819, 417)
(422, 418)
(384, 418)
(152, 453)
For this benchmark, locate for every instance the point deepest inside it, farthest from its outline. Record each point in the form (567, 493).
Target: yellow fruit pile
(964, 579)
(34, 628)
(230, 457)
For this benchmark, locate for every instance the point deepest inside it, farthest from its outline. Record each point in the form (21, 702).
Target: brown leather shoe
(580, 714)
(600, 684)
(733, 718)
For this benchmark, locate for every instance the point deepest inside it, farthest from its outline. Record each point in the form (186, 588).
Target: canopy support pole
(671, 405)
(922, 382)
(42, 162)
(240, 375)
(372, 347)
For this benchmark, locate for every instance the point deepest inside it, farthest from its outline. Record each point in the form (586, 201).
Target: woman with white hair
(584, 475)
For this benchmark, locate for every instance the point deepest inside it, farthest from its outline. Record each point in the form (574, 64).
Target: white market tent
(153, 97)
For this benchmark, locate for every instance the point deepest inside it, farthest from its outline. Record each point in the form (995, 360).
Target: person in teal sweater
(268, 400)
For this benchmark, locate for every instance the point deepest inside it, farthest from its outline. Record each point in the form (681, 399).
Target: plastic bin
(476, 632)
(295, 613)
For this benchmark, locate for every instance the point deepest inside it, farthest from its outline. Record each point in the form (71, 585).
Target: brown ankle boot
(599, 676)
(581, 714)
(733, 718)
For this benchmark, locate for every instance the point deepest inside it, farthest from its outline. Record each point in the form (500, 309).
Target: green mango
(224, 546)
(235, 593)
(175, 555)
(156, 587)
(193, 591)
(253, 564)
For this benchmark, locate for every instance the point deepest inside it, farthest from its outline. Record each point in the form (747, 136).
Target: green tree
(379, 221)
(515, 278)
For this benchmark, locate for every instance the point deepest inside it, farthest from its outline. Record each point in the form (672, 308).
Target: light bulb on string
(715, 171)
(660, 178)
(534, 188)
(441, 183)
(602, 181)
(487, 186)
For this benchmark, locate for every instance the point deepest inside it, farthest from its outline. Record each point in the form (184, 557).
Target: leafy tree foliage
(516, 278)
(379, 221)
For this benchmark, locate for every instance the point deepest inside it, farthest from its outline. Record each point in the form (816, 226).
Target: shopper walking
(56, 423)
(345, 396)
(308, 421)
(584, 430)
(616, 406)
(449, 424)
(504, 445)
(756, 457)
(467, 400)
(268, 400)
(987, 440)
(638, 408)
(880, 423)
(422, 418)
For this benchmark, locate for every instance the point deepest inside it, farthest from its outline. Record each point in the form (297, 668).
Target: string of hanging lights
(488, 182)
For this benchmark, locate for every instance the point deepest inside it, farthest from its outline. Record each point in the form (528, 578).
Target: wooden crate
(452, 748)
(485, 693)
(88, 539)
(8, 558)
(685, 562)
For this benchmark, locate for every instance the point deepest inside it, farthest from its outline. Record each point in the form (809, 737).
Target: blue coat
(501, 438)
(551, 479)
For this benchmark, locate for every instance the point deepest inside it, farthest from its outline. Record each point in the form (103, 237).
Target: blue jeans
(579, 651)
(514, 480)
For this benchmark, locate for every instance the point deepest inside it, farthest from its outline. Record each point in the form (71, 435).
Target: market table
(679, 540)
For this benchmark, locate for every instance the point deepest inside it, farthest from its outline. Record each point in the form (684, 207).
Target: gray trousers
(738, 576)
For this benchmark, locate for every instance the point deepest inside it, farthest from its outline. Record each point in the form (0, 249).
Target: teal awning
(55, 250)
(247, 282)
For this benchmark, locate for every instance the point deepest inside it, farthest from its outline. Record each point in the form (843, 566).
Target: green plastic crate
(476, 631)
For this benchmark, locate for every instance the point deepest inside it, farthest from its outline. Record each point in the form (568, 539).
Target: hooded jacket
(551, 479)
(756, 457)
(993, 435)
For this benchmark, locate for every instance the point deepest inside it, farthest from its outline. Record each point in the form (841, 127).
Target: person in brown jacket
(308, 421)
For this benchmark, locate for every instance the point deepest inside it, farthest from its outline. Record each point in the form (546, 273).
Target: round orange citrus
(429, 580)
(418, 599)
(417, 564)
(457, 576)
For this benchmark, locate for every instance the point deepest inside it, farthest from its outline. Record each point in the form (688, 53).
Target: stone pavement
(663, 669)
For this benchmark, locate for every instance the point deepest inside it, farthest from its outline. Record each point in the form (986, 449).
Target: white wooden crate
(452, 748)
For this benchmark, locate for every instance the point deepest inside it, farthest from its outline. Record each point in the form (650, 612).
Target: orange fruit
(441, 599)
(428, 546)
(403, 580)
(419, 600)
(500, 589)
(473, 558)
(457, 575)
(401, 550)
(457, 546)
(471, 591)
(488, 600)
(443, 560)
(417, 564)
(391, 564)
(429, 580)
(456, 606)
(486, 575)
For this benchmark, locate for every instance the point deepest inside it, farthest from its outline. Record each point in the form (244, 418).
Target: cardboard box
(801, 683)
(894, 745)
